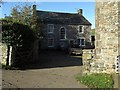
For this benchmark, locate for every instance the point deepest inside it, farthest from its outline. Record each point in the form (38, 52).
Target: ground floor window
(81, 42)
(50, 42)
(71, 43)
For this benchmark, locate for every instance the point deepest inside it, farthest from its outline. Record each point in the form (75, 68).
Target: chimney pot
(34, 6)
(80, 11)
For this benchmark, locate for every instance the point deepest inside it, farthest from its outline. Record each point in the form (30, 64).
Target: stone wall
(71, 33)
(17, 57)
(87, 58)
(3, 53)
(107, 28)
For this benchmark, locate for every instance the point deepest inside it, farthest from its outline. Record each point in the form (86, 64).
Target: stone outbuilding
(107, 45)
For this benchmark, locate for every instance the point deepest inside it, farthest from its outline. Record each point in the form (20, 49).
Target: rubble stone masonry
(107, 42)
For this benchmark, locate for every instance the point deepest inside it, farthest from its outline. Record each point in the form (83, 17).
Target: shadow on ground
(54, 59)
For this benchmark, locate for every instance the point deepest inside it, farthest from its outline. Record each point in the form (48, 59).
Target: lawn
(100, 80)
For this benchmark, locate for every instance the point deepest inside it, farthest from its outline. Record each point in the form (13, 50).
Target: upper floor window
(80, 29)
(62, 33)
(50, 28)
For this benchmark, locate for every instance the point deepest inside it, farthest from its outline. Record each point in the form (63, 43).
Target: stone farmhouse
(62, 30)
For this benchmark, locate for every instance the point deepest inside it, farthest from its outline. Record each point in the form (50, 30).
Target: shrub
(96, 80)
(16, 34)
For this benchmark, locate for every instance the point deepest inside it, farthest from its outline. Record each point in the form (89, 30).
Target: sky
(68, 7)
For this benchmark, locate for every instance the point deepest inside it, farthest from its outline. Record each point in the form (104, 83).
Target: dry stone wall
(3, 53)
(107, 33)
(87, 58)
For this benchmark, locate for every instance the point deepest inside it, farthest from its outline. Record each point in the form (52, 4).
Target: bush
(100, 80)
(16, 34)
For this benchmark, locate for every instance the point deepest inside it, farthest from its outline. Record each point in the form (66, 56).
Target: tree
(22, 14)
(27, 15)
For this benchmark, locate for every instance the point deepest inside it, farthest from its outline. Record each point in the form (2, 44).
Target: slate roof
(62, 18)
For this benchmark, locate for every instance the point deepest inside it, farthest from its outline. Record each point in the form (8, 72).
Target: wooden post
(8, 52)
(10, 56)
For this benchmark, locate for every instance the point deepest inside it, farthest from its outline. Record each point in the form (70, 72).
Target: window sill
(62, 39)
(80, 32)
(50, 46)
(81, 45)
(50, 32)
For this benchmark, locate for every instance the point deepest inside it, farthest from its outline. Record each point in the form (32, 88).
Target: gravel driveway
(42, 78)
(53, 70)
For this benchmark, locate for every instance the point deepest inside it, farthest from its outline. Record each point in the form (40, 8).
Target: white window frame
(60, 33)
(80, 44)
(52, 42)
(82, 28)
(48, 28)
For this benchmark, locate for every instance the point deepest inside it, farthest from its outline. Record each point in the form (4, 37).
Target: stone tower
(107, 41)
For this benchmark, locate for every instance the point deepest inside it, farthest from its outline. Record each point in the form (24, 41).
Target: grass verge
(95, 80)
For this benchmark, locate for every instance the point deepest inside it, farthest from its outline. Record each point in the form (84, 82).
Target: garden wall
(3, 54)
(106, 56)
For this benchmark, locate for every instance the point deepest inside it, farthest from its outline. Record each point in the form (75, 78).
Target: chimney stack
(34, 7)
(34, 10)
(80, 11)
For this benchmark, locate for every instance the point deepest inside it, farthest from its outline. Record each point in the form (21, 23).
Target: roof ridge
(60, 17)
(56, 12)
